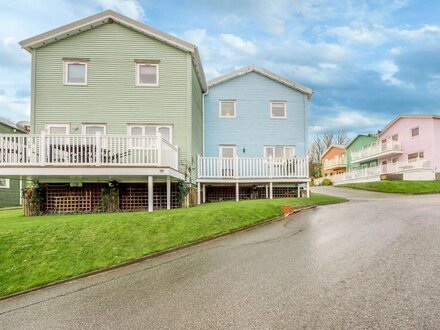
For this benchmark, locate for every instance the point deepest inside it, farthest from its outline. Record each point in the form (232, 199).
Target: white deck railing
(87, 150)
(337, 161)
(252, 167)
(375, 150)
(376, 171)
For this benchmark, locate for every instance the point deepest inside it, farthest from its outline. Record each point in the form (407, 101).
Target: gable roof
(263, 72)
(358, 136)
(331, 147)
(109, 17)
(6, 122)
(391, 123)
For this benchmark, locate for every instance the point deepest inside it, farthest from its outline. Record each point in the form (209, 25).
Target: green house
(10, 189)
(359, 142)
(114, 103)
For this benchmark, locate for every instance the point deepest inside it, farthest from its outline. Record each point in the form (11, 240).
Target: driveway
(373, 262)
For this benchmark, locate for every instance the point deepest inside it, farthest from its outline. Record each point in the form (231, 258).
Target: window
(394, 160)
(278, 109)
(4, 183)
(364, 166)
(166, 132)
(227, 109)
(415, 156)
(58, 129)
(279, 151)
(395, 137)
(147, 74)
(415, 131)
(92, 129)
(227, 151)
(75, 73)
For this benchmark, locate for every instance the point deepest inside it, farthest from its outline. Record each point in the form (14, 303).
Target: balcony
(422, 166)
(252, 169)
(84, 154)
(376, 150)
(335, 163)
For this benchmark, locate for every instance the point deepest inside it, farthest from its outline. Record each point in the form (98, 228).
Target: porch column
(270, 190)
(237, 192)
(267, 191)
(308, 189)
(204, 194)
(198, 193)
(299, 191)
(168, 192)
(150, 194)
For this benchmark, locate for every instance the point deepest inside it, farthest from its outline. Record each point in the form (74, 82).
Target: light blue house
(255, 136)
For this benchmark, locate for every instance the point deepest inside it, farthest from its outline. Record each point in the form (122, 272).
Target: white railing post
(270, 166)
(98, 156)
(159, 148)
(43, 146)
(236, 166)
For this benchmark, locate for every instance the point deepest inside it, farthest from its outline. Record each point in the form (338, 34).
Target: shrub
(326, 182)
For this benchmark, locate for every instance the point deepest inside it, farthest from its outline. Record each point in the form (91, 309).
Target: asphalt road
(373, 262)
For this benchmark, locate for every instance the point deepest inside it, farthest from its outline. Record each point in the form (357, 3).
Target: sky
(366, 60)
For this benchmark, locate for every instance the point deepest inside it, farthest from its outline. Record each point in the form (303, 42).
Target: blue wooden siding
(252, 128)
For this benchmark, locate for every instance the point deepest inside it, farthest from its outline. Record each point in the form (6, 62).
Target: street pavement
(373, 262)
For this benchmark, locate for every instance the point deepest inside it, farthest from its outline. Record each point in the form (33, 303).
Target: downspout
(203, 121)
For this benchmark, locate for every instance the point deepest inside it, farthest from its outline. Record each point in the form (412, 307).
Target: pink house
(414, 138)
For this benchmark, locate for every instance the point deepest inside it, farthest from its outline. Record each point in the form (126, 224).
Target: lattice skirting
(225, 193)
(62, 198)
(134, 196)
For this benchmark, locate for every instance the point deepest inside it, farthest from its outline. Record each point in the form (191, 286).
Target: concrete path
(373, 262)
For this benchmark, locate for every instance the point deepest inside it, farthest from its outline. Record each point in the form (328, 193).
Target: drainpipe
(203, 121)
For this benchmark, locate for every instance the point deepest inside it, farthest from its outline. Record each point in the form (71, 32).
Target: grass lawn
(403, 187)
(40, 250)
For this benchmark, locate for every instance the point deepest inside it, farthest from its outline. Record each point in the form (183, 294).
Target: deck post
(150, 193)
(299, 191)
(168, 192)
(198, 193)
(308, 189)
(98, 155)
(237, 192)
(267, 191)
(270, 190)
(204, 194)
(43, 149)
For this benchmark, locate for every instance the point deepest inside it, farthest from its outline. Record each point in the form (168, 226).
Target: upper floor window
(4, 183)
(227, 109)
(147, 74)
(92, 129)
(279, 151)
(395, 137)
(415, 131)
(75, 72)
(278, 109)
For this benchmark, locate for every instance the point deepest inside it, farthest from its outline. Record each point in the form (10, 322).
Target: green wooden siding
(111, 96)
(197, 121)
(356, 145)
(9, 196)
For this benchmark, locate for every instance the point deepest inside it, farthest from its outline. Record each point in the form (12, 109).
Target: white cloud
(131, 8)
(14, 108)
(244, 46)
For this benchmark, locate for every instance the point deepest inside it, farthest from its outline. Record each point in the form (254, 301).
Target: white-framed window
(416, 156)
(58, 129)
(394, 160)
(4, 183)
(364, 166)
(415, 131)
(147, 74)
(92, 129)
(75, 73)
(279, 151)
(278, 109)
(166, 132)
(227, 108)
(227, 151)
(395, 137)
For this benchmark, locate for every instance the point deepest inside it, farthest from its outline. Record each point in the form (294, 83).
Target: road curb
(160, 253)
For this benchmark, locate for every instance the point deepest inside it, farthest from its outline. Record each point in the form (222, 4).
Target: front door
(227, 160)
